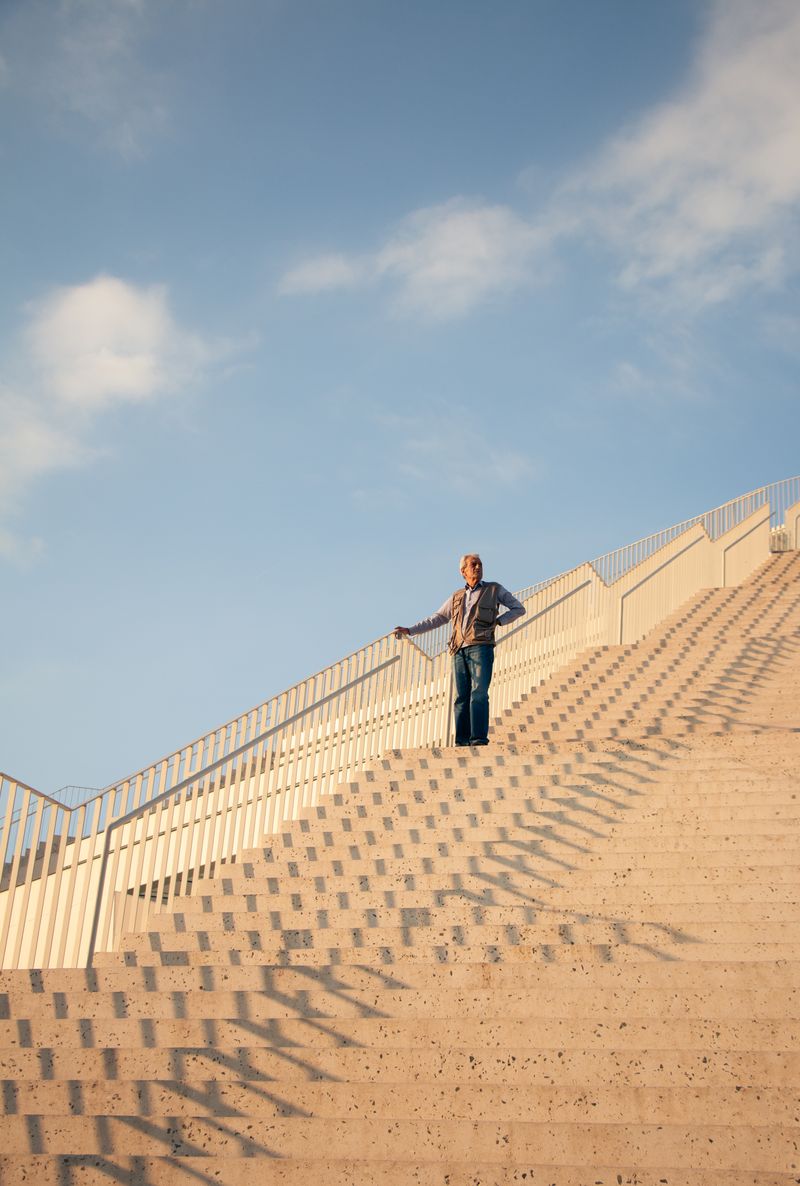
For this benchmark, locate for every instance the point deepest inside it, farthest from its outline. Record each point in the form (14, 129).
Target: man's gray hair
(468, 556)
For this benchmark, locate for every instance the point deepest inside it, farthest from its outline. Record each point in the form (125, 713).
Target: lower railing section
(75, 877)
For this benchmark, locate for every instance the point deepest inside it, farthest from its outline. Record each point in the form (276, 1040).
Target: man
(474, 612)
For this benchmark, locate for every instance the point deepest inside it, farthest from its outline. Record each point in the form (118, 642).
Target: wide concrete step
(615, 705)
(542, 870)
(718, 870)
(470, 1004)
(558, 845)
(533, 977)
(722, 745)
(675, 723)
(712, 642)
(355, 907)
(621, 783)
(680, 722)
(769, 1148)
(514, 1066)
(634, 836)
(549, 923)
(667, 686)
(658, 758)
(697, 678)
(598, 820)
(600, 807)
(708, 1035)
(254, 948)
(744, 889)
(743, 798)
(688, 728)
(99, 1170)
(743, 886)
(655, 868)
(468, 926)
(646, 720)
(438, 1103)
(649, 777)
(695, 672)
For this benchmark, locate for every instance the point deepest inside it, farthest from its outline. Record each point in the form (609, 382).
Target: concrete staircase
(571, 958)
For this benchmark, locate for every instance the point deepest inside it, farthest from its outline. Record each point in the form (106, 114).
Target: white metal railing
(778, 496)
(75, 875)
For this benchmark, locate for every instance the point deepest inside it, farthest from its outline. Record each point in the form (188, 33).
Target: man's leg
(480, 660)
(462, 685)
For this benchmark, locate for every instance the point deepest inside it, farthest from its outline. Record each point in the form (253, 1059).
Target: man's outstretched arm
(440, 618)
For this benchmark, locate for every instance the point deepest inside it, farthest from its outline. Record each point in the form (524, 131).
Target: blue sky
(299, 301)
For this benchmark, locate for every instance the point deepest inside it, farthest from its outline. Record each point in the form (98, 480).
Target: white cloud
(86, 349)
(695, 201)
(325, 272)
(107, 341)
(443, 260)
(697, 196)
(32, 443)
(443, 450)
(19, 552)
(448, 258)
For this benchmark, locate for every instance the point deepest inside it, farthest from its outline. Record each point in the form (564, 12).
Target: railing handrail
(149, 804)
(535, 617)
(684, 524)
(410, 642)
(211, 766)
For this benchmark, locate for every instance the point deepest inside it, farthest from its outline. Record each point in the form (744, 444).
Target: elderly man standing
(474, 612)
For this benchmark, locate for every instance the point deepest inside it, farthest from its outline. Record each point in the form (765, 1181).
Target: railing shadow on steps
(237, 1049)
(224, 1041)
(175, 1136)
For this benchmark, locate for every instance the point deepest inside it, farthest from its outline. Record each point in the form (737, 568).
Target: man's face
(472, 572)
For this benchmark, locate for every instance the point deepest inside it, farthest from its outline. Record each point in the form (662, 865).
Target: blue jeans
(472, 674)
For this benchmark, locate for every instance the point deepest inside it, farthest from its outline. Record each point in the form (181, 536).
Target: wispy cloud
(325, 272)
(698, 194)
(84, 59)
(783, 331)
(85, 350)
(33, 442)
(446, 259)
(444, 449)
(694, 202)
(441, 261)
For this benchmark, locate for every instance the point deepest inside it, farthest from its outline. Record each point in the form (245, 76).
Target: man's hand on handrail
(400, 631)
